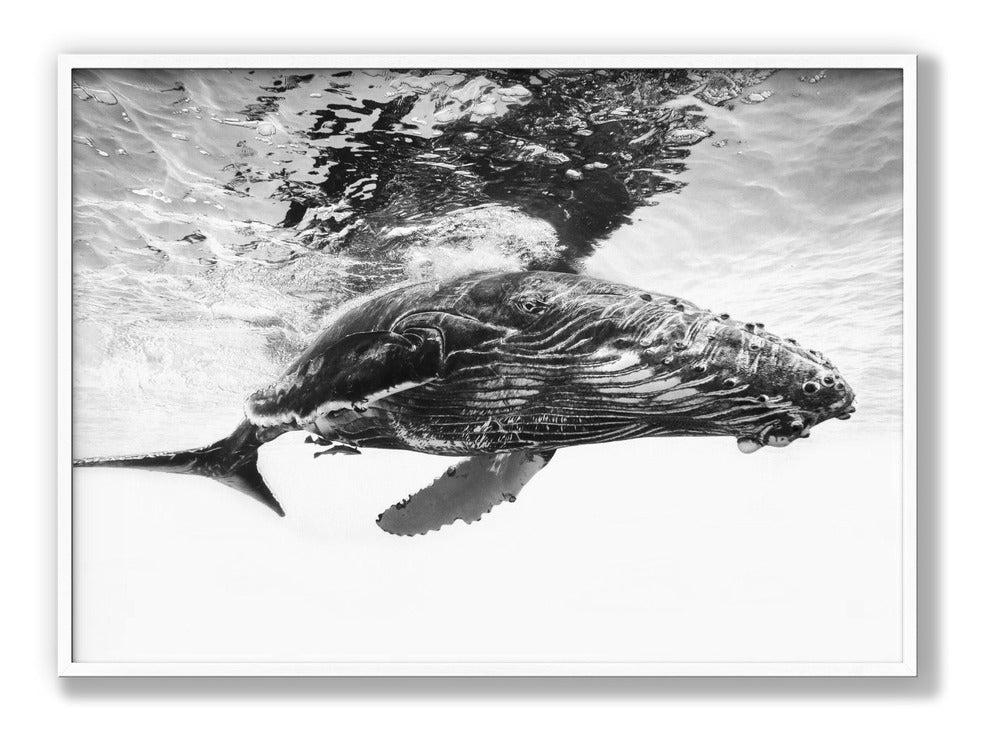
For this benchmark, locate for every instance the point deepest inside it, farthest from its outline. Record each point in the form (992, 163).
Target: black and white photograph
(481, 368)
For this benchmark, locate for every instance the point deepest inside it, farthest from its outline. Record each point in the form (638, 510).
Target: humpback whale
(504, 369)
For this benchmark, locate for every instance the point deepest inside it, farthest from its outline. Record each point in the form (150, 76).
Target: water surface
(222, 216)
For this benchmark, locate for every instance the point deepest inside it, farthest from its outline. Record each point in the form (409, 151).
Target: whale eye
(531, 304)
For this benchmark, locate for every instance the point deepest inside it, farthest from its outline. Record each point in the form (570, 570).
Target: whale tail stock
(231, 461)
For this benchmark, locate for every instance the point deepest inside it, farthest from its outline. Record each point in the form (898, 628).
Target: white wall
(959, 502)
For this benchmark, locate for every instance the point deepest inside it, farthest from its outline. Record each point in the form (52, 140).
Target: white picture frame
(70, 667)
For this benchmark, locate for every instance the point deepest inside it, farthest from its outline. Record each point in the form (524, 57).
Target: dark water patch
(579, 149)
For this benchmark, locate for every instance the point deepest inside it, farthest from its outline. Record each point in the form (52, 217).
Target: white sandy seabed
(654, 550)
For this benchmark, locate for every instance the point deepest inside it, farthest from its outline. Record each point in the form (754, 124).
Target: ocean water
(221, 217)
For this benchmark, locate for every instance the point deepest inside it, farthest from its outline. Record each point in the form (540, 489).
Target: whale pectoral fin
(351, 373)
(466, 492)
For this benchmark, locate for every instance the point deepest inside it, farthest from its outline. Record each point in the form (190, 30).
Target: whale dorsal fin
(467, 491)
(360, 368)
(351, 373)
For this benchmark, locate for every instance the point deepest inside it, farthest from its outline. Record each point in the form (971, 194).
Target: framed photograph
(487, 365)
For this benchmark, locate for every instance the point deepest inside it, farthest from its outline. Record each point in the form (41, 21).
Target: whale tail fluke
(231, 461)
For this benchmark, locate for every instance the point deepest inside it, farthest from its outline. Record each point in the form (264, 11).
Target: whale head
(608, 351)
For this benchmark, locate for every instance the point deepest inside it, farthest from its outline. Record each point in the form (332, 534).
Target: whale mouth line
(769, 436)
(800, 427)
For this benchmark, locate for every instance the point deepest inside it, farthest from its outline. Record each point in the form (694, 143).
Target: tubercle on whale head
(747, 382)
(796, 388)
